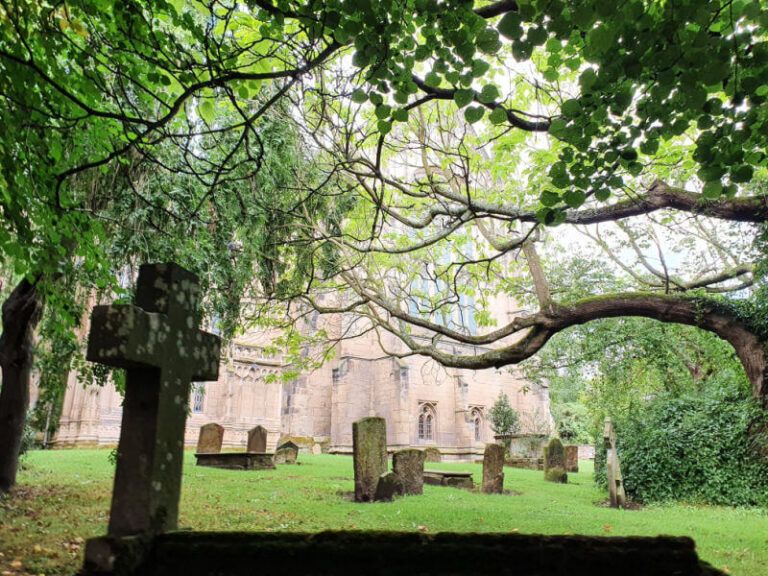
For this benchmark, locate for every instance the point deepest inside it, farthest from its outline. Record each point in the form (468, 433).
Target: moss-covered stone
(556, 474)
(384, 553)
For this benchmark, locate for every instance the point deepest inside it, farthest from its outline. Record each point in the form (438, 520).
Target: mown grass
(63, 498)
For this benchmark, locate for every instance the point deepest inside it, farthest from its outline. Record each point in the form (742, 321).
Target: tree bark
(21, 313)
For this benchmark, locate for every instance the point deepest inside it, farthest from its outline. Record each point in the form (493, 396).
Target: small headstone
(286, 453)
(616, 494)
(210, 439)
(369, 449)
(432, 454)
(317, 449)
(409, 467)
(554, 462)
(493, 469)
(388, 485)
(257, 439)
(572, 458)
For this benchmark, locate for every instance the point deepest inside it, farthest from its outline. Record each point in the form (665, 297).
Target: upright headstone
(156, 342)
(210, 439)
(493, 469)
(572, 458)
(432, 454)
(554, 462)
(369, 449)
(286, 453)
(409, 467)
(257, 439)
(616, 494)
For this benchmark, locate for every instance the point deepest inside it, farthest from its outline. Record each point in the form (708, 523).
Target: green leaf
(741, 174)
(571, 108)
(359, 96)
(713, 189)
(587, 79)
(479, 67)
(510, 26)
(463, 97)
(602, 194)
(488, 41)
(574, 198)
(488, 94)
(549, 198)
(432, 80)
(498, 116)
(473, 114)
(401, 115)
(384, 126)
(206, 111)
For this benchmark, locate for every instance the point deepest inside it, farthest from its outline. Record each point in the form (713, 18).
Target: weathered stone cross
(616, 494)
(156, 341)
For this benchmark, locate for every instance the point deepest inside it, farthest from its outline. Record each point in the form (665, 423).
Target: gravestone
(409, 467)
(156, 342)
(493, 469)
(389, 484)
(369, 449)
(572, 458)
(257, 439)
(210, 439)
(616, 494)
(286, 453)
(554, 462)
(432, 454)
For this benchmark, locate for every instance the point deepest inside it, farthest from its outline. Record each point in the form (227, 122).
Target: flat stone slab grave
(353, 553)
(449, 478)
(237, 460)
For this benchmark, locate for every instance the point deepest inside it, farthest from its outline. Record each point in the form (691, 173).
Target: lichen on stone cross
(159, 345)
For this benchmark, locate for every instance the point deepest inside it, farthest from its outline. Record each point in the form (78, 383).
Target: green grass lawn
(63, 498)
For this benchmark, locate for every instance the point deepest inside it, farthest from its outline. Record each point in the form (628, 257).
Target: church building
(424, 404)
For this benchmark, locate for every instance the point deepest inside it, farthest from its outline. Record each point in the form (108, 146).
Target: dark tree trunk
(21, 314)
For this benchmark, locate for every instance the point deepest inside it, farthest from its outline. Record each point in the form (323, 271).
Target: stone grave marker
(493, 469)
(369, 450)
(388, 485)
(616, 494)
(572, 458)
(257, 439)
(432, 454)
(409, 467)
(554, 462)
(210, 439)
(286, 453)
(162, 351)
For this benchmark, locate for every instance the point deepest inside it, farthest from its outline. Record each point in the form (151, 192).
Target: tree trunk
(21, 313)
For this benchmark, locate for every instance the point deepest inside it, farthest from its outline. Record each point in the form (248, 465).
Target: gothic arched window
(477, 424)
(427, 422)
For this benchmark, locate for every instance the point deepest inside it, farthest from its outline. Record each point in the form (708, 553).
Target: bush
(696, 448)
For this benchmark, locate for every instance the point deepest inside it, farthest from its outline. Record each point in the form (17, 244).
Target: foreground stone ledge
(387, 553)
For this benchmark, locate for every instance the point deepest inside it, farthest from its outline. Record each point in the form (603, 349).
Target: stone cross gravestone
(210, 439)
(156, 341)
(554, 462)
(616, 494)
(257, 439)
(493, 469)
(369, 450)
(409, 467)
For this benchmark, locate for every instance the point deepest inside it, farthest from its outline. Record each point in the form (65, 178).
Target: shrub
(696, 447)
